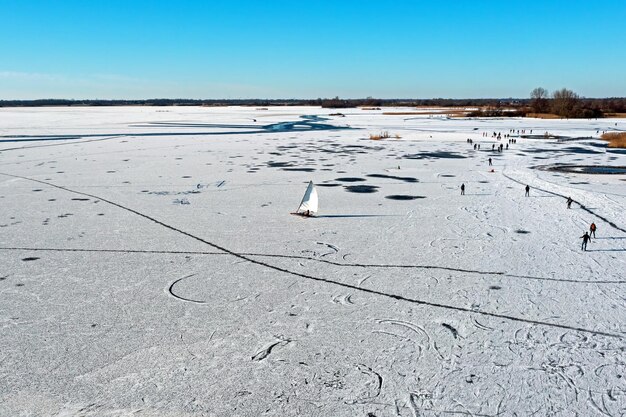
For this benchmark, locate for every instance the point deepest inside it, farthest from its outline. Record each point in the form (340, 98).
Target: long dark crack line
(582, 206)
(328, 281)
(326, 261)
(69, 142)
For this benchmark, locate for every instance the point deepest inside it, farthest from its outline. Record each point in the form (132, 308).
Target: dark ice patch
(585, 169)
(394, 177)
(401, 197)
(364, 189)
(434, 155)
(570, 149)
(273, 164)
(350, 179)
(299, 169)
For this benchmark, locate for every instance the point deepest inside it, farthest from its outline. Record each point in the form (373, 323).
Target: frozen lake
(150, 266)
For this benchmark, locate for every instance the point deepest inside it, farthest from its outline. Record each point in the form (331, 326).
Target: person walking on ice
(490, 162)
(592, 230)
(528, 191)
(569, 202)
(586, 238)
(462, 189)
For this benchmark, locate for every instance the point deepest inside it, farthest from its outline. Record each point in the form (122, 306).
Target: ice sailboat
(309, 204)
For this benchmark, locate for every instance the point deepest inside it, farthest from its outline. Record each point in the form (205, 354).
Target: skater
(592, 230)
(527, 190)
(489, 161)
(462, 189)
(586, 238)
(569, 202)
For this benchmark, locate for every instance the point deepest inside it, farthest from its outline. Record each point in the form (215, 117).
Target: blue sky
(309, 49)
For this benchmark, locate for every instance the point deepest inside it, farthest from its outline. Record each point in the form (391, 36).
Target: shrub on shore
(615, 139)
(383, 135)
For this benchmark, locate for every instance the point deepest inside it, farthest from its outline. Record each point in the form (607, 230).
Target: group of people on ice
(497, 135)
(585, 237)
(500, 147)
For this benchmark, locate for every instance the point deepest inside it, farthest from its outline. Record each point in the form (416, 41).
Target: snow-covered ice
(150, 266)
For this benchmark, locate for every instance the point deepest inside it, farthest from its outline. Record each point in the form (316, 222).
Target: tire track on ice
(397, 297)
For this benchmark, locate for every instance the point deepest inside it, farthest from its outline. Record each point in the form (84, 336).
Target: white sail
(309, 201)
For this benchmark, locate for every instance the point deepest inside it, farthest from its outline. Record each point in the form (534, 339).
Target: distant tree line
(564, 103)
(498, 111)
(335, 102)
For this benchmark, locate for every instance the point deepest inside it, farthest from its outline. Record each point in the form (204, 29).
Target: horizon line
(293, 99)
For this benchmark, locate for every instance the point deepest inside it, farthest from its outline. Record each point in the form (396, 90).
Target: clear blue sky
(310, 49)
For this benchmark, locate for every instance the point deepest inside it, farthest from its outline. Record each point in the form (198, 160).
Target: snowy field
(149, 265)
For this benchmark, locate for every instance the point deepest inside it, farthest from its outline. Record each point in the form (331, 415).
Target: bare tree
(565, 103)
(539, 100)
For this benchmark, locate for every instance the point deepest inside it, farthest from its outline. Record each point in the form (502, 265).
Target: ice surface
(149, 265)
